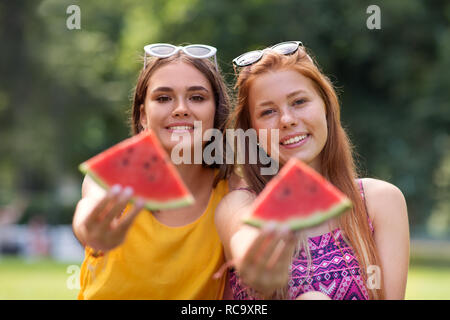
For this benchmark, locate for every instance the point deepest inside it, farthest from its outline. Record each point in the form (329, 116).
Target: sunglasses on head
(249, 58)
(165, 50)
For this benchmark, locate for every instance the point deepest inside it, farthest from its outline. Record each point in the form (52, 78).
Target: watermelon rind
(302, 223)
(149, 204)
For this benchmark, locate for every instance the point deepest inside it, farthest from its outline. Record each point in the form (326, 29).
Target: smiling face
(288, 101)
(177, 95)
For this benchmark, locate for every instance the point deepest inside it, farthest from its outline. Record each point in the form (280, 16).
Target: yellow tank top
(160, 262)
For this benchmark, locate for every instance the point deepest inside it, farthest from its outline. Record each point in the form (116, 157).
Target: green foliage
(65, 94)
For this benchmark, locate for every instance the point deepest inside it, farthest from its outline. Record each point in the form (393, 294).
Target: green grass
(40, 279)
(427, 282)
(46, 279)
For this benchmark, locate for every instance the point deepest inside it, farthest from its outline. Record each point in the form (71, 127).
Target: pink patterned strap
(361, 190)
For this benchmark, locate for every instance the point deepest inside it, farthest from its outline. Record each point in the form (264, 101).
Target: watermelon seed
(146, 165)
(125, 162)
(286, 192)
(154, 158)
(130, 150)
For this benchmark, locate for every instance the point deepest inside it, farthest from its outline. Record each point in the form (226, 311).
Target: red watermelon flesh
(141, 163)
(299, 197)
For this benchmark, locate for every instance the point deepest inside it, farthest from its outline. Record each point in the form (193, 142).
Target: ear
(143, 117)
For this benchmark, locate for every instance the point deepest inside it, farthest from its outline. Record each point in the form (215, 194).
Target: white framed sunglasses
(165, 50)
(249, 58)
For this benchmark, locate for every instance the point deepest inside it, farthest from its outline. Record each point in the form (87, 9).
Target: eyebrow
(290, 95)
(169, 89)
(163, 89)
(265, 104)
(197, 88)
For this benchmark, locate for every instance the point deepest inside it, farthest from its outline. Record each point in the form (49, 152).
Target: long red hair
(337, 162)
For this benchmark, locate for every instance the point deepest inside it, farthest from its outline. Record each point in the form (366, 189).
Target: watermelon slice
(141, 163)
(298, 197)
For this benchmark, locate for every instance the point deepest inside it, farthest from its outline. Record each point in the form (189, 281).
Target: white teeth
(181, 128)
(294, 139)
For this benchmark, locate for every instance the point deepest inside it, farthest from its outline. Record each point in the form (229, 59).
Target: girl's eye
(163, 99)
(299, 102)
(266, 112)
(197, 98)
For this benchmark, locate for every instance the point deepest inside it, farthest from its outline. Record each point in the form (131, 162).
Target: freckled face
(288, 101)
(178, 95)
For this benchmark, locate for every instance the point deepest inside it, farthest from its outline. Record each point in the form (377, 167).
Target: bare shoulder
(379, 189)
(235, 201)
(383, 199)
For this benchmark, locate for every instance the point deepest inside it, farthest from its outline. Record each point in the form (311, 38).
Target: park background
(65, 95)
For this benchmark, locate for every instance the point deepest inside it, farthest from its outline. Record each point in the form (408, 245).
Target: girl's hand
(102, 227)
(265, 265)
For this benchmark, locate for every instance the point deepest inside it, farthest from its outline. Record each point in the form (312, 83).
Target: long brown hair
(208, 69)
(337, 162)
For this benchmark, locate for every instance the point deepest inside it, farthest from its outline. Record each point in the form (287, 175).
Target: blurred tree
(65, 94)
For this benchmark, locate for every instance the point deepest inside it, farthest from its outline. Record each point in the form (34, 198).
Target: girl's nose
(181, 110)
(287, 119)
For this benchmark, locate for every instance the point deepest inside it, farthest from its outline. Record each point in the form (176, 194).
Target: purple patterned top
(335, 270)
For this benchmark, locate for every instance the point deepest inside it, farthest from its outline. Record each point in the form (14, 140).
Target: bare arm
(387, 207)
(236, 237)
(97, 221)
(261, 256)
(91, 195)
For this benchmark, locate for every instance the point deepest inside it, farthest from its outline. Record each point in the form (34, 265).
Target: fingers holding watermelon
(104, 226)
(99, 210)
(261, 245)
(265, 265)
(126, 222)
(121, 200)
(283, 253)
(139, 162)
